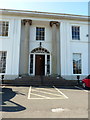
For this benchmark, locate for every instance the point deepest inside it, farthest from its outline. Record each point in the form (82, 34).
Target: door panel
(40, 65)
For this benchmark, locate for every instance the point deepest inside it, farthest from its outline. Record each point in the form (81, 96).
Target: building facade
(40, 43)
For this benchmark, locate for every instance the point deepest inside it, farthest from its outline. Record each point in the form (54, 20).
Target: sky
(78, 7)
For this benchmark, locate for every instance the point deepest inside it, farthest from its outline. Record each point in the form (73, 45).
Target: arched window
(40, 50)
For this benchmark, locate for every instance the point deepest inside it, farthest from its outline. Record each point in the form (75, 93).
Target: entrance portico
(40, 61)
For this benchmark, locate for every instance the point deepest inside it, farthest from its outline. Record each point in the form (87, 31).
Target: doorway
(39, 64)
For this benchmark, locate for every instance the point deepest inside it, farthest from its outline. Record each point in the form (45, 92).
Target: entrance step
(40, 81)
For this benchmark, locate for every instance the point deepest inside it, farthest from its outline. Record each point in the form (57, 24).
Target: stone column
(55, 49)
(25, 47)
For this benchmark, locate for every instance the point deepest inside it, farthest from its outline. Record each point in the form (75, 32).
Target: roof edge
(55, 15)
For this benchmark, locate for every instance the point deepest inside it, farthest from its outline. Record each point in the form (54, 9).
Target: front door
(40, 65)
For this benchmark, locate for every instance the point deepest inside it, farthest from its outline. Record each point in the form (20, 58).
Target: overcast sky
(80, 7)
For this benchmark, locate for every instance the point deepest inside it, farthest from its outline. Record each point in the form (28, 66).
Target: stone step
(40, 80)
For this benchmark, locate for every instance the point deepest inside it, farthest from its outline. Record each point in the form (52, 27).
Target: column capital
(54, 22)
(24, 21)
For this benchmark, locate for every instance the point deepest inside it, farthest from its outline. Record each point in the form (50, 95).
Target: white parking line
(40, 96)
(63, 96)
(61, 92)
(81, 88)
(2, 86)
(47, 93)
(29, 93)
(49, 98)
(46, 89)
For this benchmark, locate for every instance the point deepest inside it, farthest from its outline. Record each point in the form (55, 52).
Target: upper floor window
(4, 26)
(75, 33)
(77, 67)
(40, 33)
(3, 61)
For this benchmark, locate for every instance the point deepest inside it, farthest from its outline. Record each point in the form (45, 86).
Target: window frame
(5, 57)
(42, 37)
(76, 34)
(72, 64)
(5, 27)
(31, 63)
(48, 64)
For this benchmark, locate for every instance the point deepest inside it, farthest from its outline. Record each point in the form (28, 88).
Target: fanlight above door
(40, 50)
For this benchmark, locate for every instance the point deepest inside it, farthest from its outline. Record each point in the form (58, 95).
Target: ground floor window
(31, 64)
(3, 55)
(48, 64)
(77, 67)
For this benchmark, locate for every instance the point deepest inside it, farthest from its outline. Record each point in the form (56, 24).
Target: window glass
(31, 64)
(75, 33)
(2, 62)
(4, 26)
(88, 77)
(48, 64)
(77, 63)
(40, 33)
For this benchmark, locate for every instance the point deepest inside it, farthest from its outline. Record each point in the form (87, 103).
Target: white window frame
(5, 61)
(43, 36)
(81, 63)
(76, 32)
(3, 36)
(34, 54)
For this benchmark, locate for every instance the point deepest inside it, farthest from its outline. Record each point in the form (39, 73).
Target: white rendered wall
(11, 44)
(48, 35)
(69, 46)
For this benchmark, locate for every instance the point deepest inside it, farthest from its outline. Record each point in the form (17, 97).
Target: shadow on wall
(6, 104)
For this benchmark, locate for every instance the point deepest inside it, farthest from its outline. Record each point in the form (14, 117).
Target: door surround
(33, 74)
(43, 52)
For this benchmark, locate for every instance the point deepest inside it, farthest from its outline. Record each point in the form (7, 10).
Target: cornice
(22, 13)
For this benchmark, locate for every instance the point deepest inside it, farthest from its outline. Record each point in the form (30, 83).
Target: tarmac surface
(44, 102)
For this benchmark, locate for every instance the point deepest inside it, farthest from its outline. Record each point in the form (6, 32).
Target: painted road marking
(61, 92)
(29, 93)
(47, 89)
(2, 86)
(49, 98)
(40, 96)
(81, 88)
(59, 96)
(47, 93)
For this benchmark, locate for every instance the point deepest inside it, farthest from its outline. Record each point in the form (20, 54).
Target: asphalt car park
(44, 102)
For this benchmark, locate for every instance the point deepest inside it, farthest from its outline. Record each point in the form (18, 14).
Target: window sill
(76, 74)
(4, 37)
(40, 40)
(79, 41)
